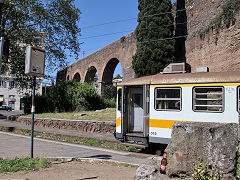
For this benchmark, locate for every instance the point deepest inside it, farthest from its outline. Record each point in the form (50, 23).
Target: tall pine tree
(155, 46)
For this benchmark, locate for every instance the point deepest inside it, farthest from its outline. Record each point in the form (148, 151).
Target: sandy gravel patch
(77, 171)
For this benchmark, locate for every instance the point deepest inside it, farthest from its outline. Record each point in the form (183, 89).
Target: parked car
(6, 108)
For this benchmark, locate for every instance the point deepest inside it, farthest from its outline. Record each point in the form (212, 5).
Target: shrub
(203, 171)
(110, 92)
(67, 96)
(27, 101)
(85, 97)
(109, 103)
(58, 98)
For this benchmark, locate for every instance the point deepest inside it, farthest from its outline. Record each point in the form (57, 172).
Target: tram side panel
(191, 109)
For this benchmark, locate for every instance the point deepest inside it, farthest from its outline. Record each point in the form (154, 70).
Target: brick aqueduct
(104, 62)
(217, 51)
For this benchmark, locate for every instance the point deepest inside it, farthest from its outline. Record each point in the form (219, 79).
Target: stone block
(212, 143)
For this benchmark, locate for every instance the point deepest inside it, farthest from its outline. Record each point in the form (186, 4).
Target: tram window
(208, 99)
(137, 100)
(119, 99)
(168, 99)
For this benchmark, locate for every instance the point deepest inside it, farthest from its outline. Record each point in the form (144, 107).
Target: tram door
(136, 110)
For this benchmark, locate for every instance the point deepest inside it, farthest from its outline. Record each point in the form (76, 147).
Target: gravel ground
(77, 171)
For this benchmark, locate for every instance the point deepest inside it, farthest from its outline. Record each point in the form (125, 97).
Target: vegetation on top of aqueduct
(154, 33)
(68, 96)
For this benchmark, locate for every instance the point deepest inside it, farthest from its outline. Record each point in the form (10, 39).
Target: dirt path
(77, 171)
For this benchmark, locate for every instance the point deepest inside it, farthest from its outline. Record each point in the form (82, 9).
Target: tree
(118, 76)
(27, 22)
(154, 33)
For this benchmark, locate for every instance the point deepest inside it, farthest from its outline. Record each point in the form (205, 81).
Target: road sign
(35, 61)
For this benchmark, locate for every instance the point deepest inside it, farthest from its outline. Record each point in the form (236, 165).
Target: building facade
(11, 94)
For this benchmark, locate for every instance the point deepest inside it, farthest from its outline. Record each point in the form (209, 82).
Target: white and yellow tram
(147, 107)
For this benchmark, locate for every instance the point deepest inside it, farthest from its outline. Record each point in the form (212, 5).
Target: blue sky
(95, 12)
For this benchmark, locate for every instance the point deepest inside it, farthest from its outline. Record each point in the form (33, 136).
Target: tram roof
(186, 78)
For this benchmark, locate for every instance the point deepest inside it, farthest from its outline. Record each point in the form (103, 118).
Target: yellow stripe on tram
(118, 122)
(158, 123)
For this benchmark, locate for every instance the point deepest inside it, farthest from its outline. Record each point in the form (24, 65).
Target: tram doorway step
(132, 144)
(136, 139)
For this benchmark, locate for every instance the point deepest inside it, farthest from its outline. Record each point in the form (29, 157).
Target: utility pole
(83, 53)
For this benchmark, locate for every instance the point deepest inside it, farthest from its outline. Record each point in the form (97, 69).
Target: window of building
(208, 99)
(11, 84)
(168, 99)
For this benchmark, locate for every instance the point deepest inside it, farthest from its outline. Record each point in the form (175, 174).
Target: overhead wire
(101, 35)
(122, 20)
(128, 19)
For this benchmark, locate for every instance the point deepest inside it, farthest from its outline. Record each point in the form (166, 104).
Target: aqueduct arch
(90, 74)
(76, 77)
(104, 62)
(108, 72)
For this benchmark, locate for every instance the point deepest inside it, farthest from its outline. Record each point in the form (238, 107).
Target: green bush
(68, 96)
(85, 97)
(110, 92)
(109, 103)
(203, 171)
(27, 101)
(58, 98)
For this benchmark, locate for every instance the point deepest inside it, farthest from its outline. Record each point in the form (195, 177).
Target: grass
(104, 115)
(19, 164)
(33, 164)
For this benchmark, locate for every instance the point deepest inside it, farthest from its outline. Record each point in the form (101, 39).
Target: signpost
(34, 66)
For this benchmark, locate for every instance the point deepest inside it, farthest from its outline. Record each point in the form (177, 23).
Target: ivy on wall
(225, 18)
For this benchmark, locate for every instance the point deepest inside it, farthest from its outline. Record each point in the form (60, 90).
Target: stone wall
(217, 51)
(200, 13)
(104, 127)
